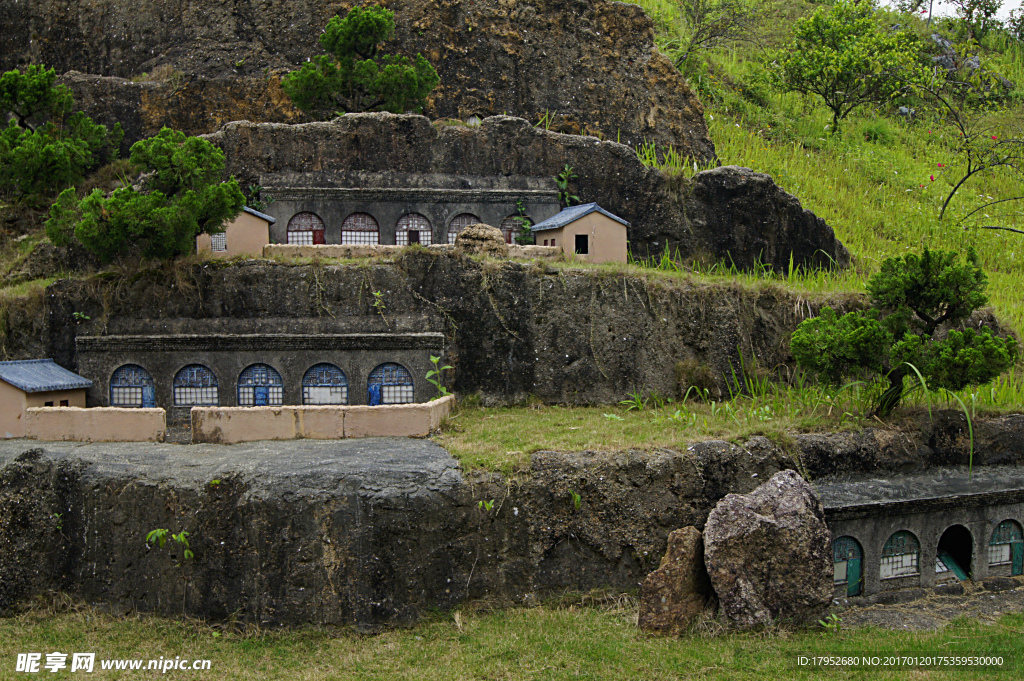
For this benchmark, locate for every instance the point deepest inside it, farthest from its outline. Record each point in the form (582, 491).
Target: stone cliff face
(731, 214)
(377, 531)
(513, 329)
(591, 65)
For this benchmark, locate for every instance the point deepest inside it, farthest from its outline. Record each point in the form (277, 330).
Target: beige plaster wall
(370, 251)
(607, 238)
(99, 424)
(530, 252)
(75, 398)
(14, 402)
(229, 425)
(12, 411)
(245, 235)
(329, 251)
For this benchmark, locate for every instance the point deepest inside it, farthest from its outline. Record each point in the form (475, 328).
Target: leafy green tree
(702, 25)
(34, 95)
(976, 17)
(844, 54)
(179, 196)
(354, 75)
(912, 298)
(45, 147)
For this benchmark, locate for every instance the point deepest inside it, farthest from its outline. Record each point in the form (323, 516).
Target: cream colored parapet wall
(378, 250)
(96, 424)
(228, 425)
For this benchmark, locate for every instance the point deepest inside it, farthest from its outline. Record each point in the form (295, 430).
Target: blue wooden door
(261, 396)
(1017, 550)
(373, 394)
(148, 397)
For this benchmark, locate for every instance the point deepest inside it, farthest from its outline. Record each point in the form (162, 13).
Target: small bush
(878, 132)
(697, 380)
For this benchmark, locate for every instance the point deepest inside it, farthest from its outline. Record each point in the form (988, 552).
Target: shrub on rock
(179, 195)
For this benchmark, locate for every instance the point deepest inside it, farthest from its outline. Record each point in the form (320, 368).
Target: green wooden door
(853, 577)
(1017, 550)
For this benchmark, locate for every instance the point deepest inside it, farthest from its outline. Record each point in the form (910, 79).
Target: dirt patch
(924, 609)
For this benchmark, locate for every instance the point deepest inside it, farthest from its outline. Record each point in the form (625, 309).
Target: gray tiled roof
(572, 214)
(252, 211)
(40, 375)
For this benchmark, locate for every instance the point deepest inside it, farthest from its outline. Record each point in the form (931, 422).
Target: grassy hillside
(878, 182)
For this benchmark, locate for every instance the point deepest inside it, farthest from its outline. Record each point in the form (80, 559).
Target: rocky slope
(591, 65)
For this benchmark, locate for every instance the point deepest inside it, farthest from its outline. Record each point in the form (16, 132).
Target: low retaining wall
(95, 424)
(230, 425)
(529, 252)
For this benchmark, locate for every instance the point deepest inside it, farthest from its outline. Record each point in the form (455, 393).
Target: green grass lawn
(550, 642)
(494, 437)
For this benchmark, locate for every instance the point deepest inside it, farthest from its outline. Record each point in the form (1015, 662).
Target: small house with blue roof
(587, 232)
(36, 383)
(247, 234)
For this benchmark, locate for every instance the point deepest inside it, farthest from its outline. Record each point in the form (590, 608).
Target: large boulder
(677, 592)
(744, 215)
(767, 554)
(481, 239)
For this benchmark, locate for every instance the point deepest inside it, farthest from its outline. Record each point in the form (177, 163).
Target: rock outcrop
(677, 592)
(748, 220)
(768, 554)
(367, 532)
(481, 239)
(589, 65)
(745, 214)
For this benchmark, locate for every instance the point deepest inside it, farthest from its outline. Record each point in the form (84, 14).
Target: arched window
(306, 229)
(512, 225)
(412, 228)
(900, 556)
(1007, 546)
(259, 385)
(390, 383)
(324, 384)
(132, 386)
(847, 558)
(459, 223)
(360, 229)
(195, 386)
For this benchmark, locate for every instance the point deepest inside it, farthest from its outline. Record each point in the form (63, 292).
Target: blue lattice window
(390, 383)
(413, 228)
(260, 385)
(900, 556)
(459, 223)
(1000, 549)
(324, 384)
(132, 386)
(360, 229)
(195, 386)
